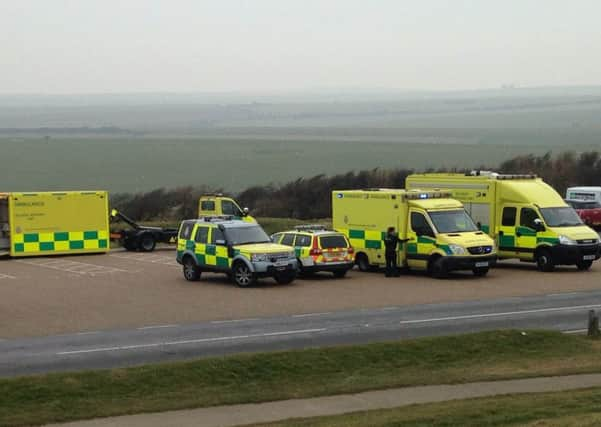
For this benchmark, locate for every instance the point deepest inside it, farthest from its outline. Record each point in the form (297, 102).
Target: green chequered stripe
(365, 238)
(60, 241)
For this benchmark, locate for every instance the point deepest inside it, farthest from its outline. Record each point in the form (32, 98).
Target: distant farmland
(141, 142)
(137, 164)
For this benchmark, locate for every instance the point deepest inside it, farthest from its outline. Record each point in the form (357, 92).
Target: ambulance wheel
(339, 273)
(191, 270)
(146, 243)
(584, 265)
(480, 271)
(362, 262)
(243, 276)
(437, 268)
(544, 260)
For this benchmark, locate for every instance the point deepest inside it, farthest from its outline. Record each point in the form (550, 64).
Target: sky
(116, 46)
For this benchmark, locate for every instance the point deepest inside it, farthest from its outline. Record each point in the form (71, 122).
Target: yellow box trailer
(53, 223)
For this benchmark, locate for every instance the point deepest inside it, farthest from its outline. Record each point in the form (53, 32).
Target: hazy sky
(74, 46)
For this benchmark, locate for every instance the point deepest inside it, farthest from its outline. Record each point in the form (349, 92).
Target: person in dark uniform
(391, 242)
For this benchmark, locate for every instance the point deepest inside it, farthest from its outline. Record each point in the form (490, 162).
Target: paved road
(167, 342)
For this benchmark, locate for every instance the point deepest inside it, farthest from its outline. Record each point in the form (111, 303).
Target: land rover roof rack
(310, 227)
(217, 218)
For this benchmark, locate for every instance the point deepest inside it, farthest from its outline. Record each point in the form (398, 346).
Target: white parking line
(312, 314)
(250, 319)
(72, 266)
(6, 276)
(507, 313)
(157, 327)
(148, 258)
(195, 341)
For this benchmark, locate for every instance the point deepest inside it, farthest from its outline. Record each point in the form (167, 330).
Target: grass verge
(294, 374)
(567, 408)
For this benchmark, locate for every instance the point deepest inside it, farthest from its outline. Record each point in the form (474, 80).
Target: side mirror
(245, 211)
(220, 242)
(538, 225)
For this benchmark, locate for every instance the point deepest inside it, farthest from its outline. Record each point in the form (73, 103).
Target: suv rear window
(186, 230)
(334, 241)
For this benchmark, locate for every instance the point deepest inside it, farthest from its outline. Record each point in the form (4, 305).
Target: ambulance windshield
(246, 235)
(561, 217)
(456, 221)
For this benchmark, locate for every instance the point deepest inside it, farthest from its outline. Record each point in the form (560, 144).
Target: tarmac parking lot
(83, 294)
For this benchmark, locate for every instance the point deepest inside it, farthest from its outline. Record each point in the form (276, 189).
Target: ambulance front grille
(480, 250)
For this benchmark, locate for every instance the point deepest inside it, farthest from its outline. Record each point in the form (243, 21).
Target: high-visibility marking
(507, 313)
(194, 341)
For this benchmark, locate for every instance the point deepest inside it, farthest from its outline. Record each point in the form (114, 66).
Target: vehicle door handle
(501, 233)
(518, 234)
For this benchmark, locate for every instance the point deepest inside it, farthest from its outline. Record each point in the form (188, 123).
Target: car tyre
(285, 278)
(339, 273)
(243, 276)
(146, 243)
(480, 271)
(438, 268)
(191, 271)
(544, 260)
(362, 262)
(584, 265)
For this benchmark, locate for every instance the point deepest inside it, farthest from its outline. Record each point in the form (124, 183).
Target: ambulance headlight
(457, 250)
(259, 258)
(565, 240)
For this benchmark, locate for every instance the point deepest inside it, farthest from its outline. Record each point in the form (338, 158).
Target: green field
(132, 165)
(139, 143)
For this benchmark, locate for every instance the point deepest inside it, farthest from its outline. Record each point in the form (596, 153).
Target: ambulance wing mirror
(245, 211)
(538, 225)
(220, 242)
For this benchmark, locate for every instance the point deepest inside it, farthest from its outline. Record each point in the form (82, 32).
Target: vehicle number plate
(588, 257)
(482, 264)
(281, 263)
(333, 254)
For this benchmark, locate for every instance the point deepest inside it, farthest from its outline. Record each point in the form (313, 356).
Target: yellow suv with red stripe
(318, 249)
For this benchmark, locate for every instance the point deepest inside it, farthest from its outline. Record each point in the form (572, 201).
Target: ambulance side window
(275, 238)
(509, 215)
(302, 240)
(527, 217)
(186, 230)
(288, 239)
(217, 236)
(420, 225)
(202, 235)
(229, 208)
(207, 205)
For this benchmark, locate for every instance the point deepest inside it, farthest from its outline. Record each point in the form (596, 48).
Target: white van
(584, 194)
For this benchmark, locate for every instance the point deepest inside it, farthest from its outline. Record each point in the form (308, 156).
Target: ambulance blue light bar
(424, 195)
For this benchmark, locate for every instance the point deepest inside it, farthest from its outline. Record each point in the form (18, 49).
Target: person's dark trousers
(391, 268)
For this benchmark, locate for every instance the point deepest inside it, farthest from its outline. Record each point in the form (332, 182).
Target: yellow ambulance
(436, 234)
(52, 223)
(219, 205)
(527, 218)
